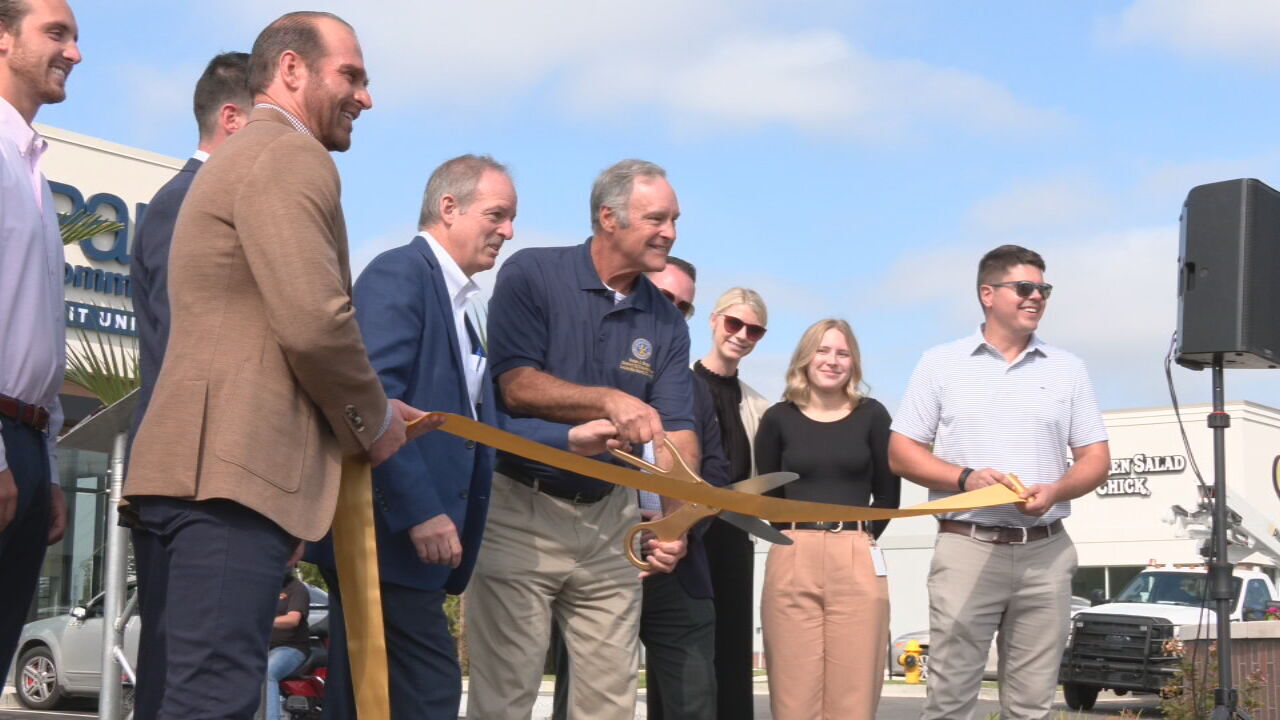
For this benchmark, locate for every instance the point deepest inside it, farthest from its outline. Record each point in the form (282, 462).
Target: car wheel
(1080, 697)
(38, 680)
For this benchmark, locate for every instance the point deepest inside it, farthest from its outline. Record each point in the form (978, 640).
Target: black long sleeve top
(844, 461)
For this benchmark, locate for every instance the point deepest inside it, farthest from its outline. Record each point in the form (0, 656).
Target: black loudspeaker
(1229, 276)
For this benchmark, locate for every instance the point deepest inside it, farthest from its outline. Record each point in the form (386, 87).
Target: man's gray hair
(457, 177)
(613, 189)
(11, 14)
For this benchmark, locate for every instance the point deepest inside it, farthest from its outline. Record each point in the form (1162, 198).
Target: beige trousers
(975, 588)
(826, 627)
(544, 557)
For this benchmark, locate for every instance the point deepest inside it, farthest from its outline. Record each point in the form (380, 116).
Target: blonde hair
(798, 390)
(743, 296)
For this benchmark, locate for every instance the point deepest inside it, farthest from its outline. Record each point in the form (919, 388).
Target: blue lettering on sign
(119, 250)
(97, 280)
(100, 319)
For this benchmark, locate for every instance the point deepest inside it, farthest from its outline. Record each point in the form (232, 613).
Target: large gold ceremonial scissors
(674, 526)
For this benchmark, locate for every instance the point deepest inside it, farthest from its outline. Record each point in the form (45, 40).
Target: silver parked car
(61, 657)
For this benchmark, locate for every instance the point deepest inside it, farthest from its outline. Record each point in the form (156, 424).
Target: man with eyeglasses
(1001, 402)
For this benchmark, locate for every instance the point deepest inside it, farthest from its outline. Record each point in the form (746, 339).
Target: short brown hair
(11, 14)
(294, 31)
(224, 81)
(996, 263)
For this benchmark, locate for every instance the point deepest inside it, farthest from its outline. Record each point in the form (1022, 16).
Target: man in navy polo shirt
(578, 335)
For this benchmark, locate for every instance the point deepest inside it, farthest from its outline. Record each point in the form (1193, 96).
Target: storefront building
(114, 182)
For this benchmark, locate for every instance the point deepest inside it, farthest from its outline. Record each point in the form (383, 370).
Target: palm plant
(82, 225)
(108, 368)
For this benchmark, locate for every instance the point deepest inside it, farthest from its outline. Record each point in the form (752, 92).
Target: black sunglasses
(1024, 288)
(733, 325)
(684, 307)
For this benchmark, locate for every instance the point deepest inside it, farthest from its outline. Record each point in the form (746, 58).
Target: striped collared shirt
(1022, 417)
(295, 122)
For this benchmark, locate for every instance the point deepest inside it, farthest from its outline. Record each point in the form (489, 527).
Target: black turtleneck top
(726, 395)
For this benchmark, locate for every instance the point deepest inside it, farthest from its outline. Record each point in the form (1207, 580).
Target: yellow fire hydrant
(910, 661)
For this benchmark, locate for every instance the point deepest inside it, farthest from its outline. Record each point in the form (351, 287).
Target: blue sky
(843, 158)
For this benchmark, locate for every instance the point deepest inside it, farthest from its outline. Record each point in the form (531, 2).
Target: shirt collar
(589, 279)
(295, 122)
(15, 128)
(200, 155)
(461, 288)
(977, 342)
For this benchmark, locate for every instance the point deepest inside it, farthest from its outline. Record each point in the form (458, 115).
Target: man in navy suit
(222, 103)
(430, 498)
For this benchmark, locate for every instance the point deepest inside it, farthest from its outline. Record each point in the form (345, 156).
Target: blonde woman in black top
(825, 606)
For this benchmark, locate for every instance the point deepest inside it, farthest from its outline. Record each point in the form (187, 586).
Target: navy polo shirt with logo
(550, 311)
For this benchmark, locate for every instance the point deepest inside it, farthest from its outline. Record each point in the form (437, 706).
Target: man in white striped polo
(1000, 402)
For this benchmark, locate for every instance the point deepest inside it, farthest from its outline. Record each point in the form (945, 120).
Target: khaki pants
(976, 588)
(826, 627)
(544, 557)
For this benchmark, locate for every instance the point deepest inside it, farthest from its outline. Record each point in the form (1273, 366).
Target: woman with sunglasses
(737, 324)
(825, 605)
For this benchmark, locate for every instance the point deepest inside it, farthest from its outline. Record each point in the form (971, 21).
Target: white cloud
(703, 66)
(1241, 30)
(1059, 201)
(159, 98)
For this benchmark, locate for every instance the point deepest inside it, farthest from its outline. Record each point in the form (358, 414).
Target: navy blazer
(149, 277)
(406, 319)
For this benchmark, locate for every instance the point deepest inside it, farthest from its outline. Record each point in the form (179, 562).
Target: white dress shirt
(32, 310)
(460, 290)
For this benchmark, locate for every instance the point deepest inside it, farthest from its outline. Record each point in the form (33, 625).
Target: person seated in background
(290, 637)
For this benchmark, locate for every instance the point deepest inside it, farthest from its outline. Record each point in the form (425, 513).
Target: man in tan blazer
(265, 384)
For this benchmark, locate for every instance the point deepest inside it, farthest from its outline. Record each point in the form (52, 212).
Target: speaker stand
(1225, 698)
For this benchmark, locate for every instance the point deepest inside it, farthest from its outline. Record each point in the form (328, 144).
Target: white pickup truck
(1120, 644)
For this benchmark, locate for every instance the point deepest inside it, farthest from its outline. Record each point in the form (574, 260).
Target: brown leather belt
(1000, 535)
(25, 413)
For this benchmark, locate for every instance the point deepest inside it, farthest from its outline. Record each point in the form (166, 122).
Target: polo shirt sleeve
(1087, 426)
(672, 393)
(518, 328)
(917, 416)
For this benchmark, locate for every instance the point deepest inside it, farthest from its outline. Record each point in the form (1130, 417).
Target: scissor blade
(755, 526)
(761, 484)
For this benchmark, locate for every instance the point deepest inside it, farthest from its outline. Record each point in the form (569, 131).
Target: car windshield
(1172, 588)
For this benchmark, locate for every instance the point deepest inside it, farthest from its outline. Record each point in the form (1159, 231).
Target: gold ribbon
(355, 548)
(767, 508)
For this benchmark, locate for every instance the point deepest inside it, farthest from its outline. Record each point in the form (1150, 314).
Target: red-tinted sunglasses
(733, 325)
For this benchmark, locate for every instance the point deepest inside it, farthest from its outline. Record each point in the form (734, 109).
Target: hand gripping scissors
(677, 524)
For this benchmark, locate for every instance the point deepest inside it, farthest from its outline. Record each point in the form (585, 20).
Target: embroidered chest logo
(641, 351)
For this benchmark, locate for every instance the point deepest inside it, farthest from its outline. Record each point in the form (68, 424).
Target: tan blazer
(265, 383)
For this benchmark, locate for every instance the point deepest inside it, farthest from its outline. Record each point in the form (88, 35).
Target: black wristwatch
(964, 475)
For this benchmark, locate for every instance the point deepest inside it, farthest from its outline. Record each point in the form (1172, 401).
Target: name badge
(877, 560)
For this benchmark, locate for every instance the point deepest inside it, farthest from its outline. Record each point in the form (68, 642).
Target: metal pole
(1220, 568)
(115, 584)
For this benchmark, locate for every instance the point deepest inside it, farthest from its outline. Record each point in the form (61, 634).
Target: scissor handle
(672, 527)
(1017, 484)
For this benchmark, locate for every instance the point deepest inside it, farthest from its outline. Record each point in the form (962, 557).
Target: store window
(72, 570)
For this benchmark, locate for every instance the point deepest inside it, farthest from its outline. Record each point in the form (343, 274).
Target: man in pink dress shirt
(37, 51)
